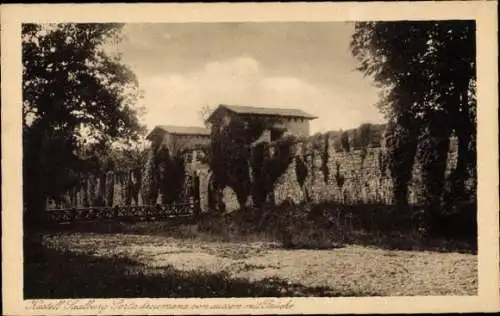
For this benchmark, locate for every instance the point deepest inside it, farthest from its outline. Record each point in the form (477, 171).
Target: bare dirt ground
(350, 269)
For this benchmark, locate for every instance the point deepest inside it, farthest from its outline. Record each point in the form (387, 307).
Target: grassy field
(159, 260)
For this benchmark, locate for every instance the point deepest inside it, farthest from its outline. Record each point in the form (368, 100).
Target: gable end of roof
(178, 130)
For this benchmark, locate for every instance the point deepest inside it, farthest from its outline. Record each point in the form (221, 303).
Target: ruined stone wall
(109, 189)
(328, 174)
(333, 175)
(123, 187)
(357, 176)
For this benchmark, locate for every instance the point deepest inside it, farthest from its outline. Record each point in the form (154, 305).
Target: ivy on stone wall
(109, 188)
(301, 170)
(136, 184)
(280, 160)
(127, 187)
(382, 162)
(269, 161)
(325, 158)
(230, 155)
(339, 178)
(432, 155)
(344, 141)
(401, 143)
(171, 174)
(259, 190)
(149, 184)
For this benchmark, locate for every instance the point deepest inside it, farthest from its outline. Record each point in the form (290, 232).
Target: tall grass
(320, 226)
(329, 225)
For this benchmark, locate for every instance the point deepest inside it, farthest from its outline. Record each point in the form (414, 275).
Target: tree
(426, 72)
(204, 113)
(344, 141)
(365, 135)
(74, 93)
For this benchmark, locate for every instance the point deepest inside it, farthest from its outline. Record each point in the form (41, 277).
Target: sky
(182, 67)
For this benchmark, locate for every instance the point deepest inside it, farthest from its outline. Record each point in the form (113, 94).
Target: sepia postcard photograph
(251, 158)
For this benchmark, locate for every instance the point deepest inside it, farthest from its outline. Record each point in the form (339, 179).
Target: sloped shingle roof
(284, 112)
(179, 130)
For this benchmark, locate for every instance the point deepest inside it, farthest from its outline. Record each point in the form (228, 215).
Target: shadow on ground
(50, 273)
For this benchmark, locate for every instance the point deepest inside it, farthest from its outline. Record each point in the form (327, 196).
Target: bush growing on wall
(325, 157)
(267, 168)
(110, 186)
(170, 168)
(279, 162)
(365, 134)
(401, 142)
(259, 192)
(365, 137)
(301, 170)
(432, 155)
(339, 178)
(229, 158)
(149, 185)
(344, 141)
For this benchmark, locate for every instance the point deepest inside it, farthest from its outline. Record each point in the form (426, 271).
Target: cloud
(176, 98)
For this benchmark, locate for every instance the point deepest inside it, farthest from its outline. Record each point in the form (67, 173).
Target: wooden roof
(178, 130)
(263, 111)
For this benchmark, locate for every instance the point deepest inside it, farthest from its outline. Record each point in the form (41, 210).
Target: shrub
(344, 141)
(295, 228)
(325, 157)
(401, 142)
(149, 184)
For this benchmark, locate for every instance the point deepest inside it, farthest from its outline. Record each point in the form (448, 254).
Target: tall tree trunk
(460, 172)
(465, 131)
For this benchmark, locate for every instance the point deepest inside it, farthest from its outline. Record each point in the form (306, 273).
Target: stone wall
(331, 174)
(123, 187)
(319, 171)
(174, 142)
(357, 176)
(296, 126)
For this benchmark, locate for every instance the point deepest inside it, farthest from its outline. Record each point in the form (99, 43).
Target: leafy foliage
(301, 170)
(260, 153)
(339, 177)
(73, 93)
(344, 141)
(433, 149)
(171, 175)
(230, 155)
(229, 163)
(325, 157)
(426, 72)
(149, 184)
(277, 164)
(204, 113)
(401, 143)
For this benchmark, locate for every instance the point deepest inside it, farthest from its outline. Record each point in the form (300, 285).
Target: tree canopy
(421, 66)
(427, 72)
(75, 93)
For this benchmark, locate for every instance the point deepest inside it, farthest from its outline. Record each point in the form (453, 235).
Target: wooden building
(279, 121)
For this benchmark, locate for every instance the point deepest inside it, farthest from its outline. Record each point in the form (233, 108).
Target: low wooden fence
(133, 213)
